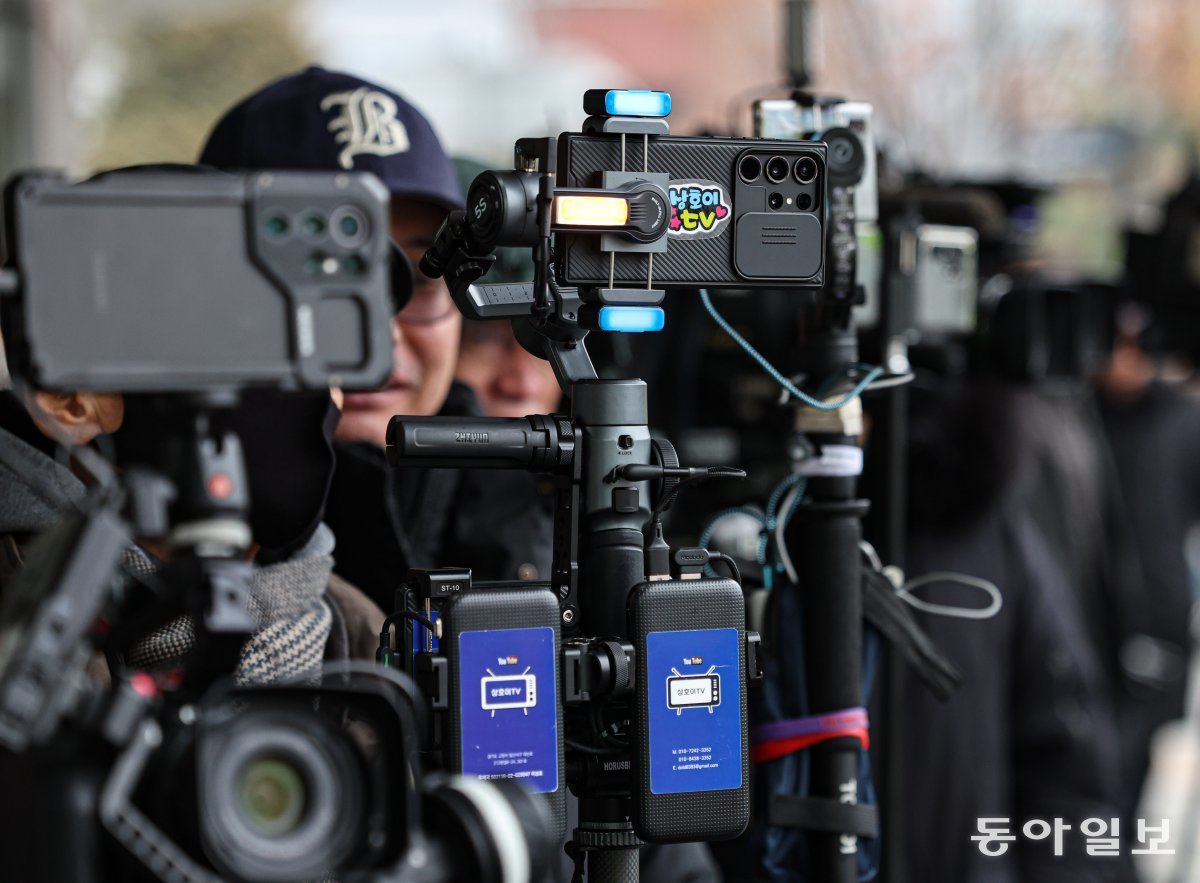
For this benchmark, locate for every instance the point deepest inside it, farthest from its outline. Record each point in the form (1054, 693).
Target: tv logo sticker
(699, 209)
(498, 692)
(693, 691)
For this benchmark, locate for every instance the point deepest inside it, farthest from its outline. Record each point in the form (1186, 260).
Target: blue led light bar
(637, 103)
(632, 319)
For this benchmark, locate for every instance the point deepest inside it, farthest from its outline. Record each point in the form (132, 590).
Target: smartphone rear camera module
(775, 201)
(777, 169)
(804, 202)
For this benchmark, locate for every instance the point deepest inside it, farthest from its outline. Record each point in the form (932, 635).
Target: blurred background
(1089, 108)
(1081, 93)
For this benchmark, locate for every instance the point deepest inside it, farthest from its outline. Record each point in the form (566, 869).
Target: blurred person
(320, 120)
(1030, 733)
(305, 614)
(1153, 433)
(509, 380)
(388, 521)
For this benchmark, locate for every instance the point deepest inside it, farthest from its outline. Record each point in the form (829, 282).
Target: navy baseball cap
(323, 120)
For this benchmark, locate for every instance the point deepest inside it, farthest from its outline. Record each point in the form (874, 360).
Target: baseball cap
(325, 120)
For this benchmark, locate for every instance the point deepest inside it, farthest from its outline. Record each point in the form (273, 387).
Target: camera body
(194, 286)
(260, 784)
(945, 278)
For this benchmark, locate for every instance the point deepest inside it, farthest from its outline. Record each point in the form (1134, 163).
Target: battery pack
(504, 715)
(692, 767)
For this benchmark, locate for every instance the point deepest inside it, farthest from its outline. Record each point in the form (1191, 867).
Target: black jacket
(1030, 734)
(499, 523)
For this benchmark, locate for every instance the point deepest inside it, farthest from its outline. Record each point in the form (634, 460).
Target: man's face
(509, 381)
(425, 333)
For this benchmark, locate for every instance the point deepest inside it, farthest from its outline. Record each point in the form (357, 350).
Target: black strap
(884, 609)
(823, 814)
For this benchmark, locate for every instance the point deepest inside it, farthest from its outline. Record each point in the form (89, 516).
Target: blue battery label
(694, 715)
(423, 640)
(508, 706)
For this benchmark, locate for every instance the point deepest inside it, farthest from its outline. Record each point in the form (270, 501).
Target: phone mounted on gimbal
(654, 661)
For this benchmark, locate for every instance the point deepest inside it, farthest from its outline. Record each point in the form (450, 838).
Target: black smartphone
(745, 212)
(144, 280)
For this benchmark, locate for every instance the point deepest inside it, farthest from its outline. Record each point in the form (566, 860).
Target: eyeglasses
(430, 303)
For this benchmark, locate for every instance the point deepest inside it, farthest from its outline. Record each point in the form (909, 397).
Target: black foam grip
(613, 866)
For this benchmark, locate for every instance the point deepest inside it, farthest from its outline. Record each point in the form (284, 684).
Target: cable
(869, 551)
(710, 473)
(771, 526)
(872, 375)
(905, 593)
(392, 619)
(791, 501)
(710, 529)
(890, 380)
(729, 562)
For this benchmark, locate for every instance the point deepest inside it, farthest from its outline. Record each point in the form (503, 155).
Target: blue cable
(771, 521)
(779, 493)
(872, 375)
(710, 529)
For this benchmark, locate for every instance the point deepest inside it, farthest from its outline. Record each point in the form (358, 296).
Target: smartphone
(745, 212)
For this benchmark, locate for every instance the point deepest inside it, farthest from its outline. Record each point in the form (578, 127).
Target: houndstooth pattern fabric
(287, 649)
(286, 600)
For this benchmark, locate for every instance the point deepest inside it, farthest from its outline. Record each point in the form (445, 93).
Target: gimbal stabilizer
(653, 670)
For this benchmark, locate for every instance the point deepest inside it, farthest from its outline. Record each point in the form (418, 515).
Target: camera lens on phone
(276, 225)
(348, 226)
(749, 168)
(777, 169)
(775, 200)
(805, 169)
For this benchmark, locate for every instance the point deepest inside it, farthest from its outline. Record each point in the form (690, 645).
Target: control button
(625, 500)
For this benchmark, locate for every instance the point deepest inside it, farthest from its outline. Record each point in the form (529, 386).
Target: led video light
(632, 319)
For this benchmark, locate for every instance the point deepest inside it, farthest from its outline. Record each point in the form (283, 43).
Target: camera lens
(497, 830)
(273, 795)
(276, 225)
(348, 226)
(805, 169)
(777, 169)
(354, 264)
(749, 168)
(775, 200)
(314, 225)
(281, 794)
(804, 202)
